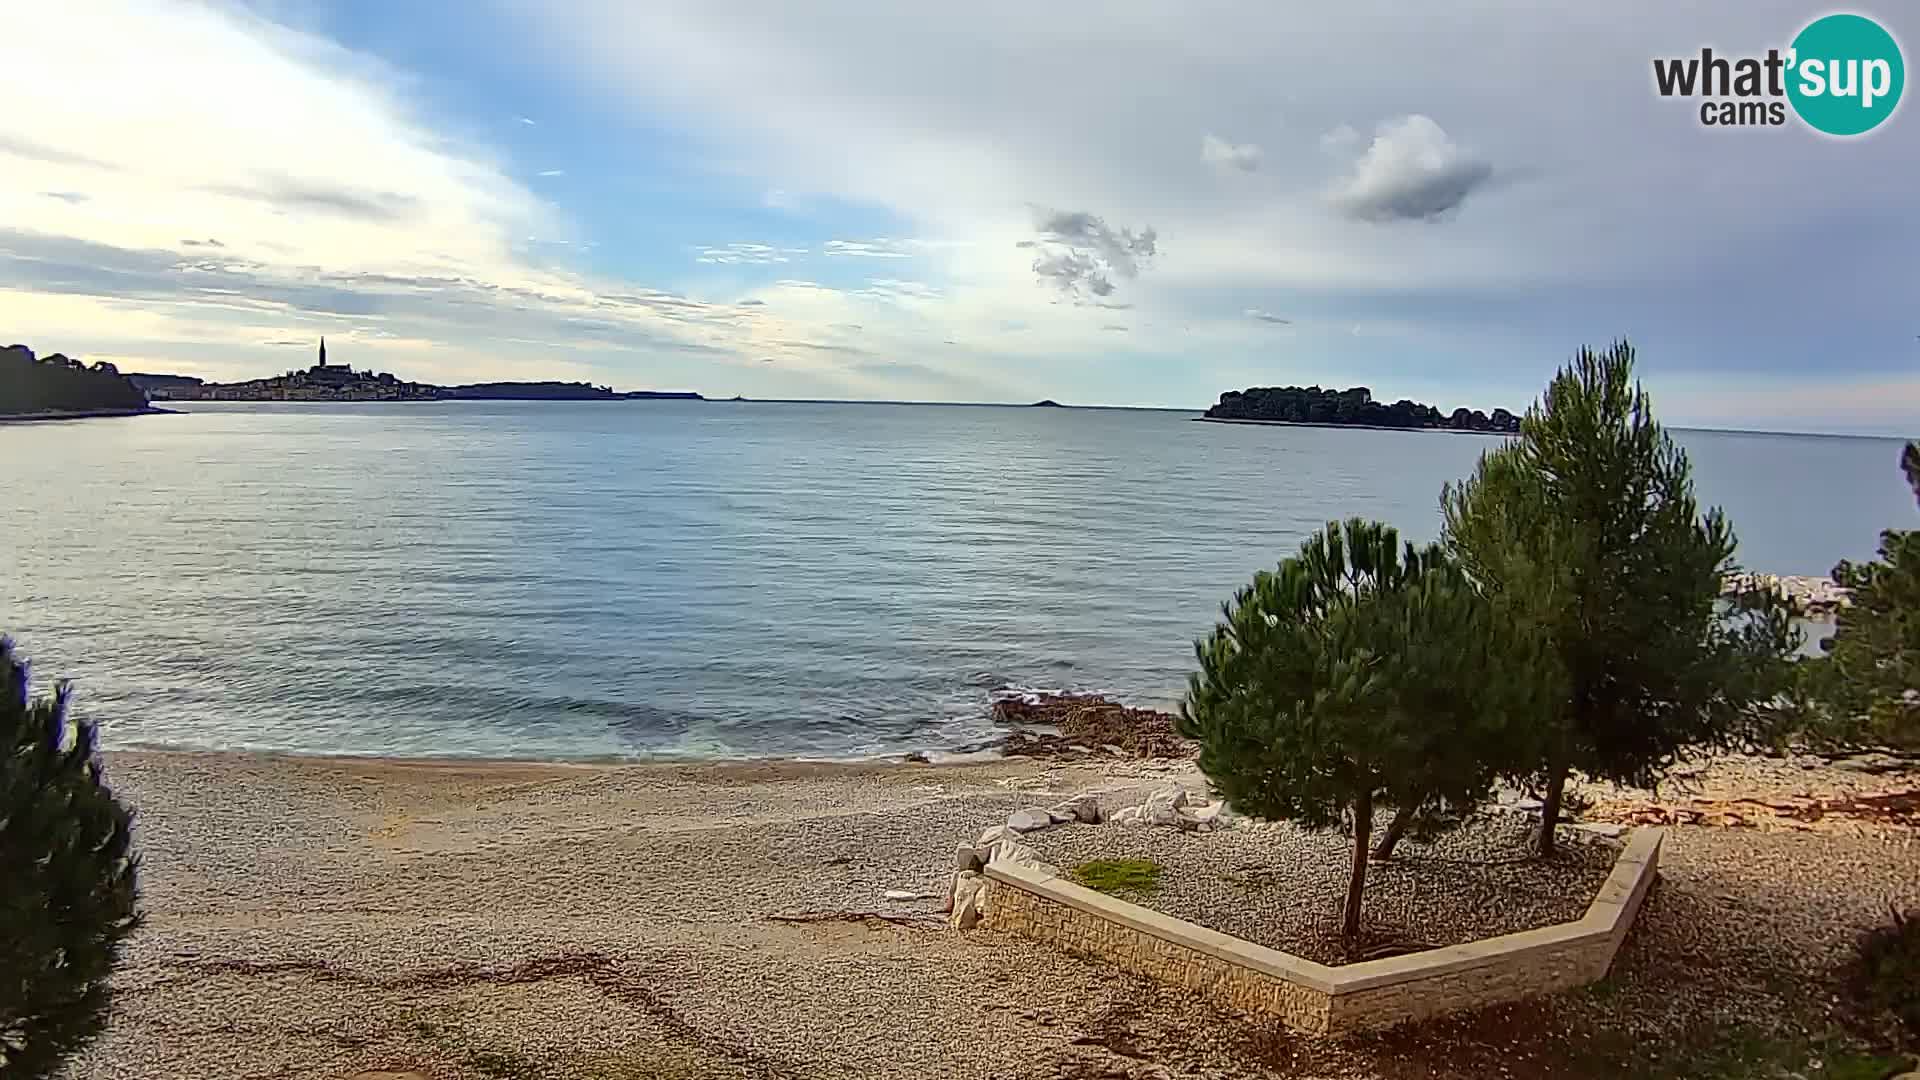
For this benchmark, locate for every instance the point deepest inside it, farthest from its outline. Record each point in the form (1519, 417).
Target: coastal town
(326, 381)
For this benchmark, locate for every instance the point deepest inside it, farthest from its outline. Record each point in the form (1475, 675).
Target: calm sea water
(688, 579)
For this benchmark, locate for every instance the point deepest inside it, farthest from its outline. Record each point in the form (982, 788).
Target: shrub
(67, 894)
(1885, 973)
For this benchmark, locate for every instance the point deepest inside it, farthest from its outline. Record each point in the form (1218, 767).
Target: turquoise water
(710, 579)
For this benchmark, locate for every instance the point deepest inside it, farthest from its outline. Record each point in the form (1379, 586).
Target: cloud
(525, 120)
(751, 303)
(288, 342)
(208, 242)
(747, 254)
(1266, 316)
(72, 198)
(551, 172)
(289, 194)
(1081, 253)
(16, 146)
(1411, 172)
(1117, 327)
(882, 248)
(1227, 156)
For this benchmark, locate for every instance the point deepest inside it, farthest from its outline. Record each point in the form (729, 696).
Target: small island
(1046, 403)
(1353, 407)
(58, 387)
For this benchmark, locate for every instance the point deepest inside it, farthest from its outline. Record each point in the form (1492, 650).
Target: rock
(966, 857)
(1164, 805)
(968, 894)
(906, 894)
(1607, 829)
(1015, 852)
(1029, 820)
(1081, 808)
(1529, 805)
(1127, 815)
(1113, 749)
(1870, 763)
(992, 835)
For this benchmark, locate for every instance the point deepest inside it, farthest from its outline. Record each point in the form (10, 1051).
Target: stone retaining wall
(1035, 902)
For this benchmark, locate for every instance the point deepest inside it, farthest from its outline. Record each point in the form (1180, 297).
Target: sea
(698, 580)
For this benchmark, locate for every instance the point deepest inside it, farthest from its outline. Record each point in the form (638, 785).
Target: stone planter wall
(1034, 901)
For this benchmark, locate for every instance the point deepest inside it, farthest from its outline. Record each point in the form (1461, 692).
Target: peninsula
(58, 387)
(1353, 407)
(340, 382)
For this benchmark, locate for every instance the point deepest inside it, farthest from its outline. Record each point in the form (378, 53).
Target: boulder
(1032, 819)
(1164, 805)
(1127, 815)
(968, 894)
(966, 857)
(1015, 852)
(992, 835)
(1082, 808)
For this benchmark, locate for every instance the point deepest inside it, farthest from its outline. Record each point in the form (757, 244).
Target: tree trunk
(1362, 832)
(1550, 808)
(1397, 828)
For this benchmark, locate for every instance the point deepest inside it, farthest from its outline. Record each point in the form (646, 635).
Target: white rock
(1032, 819)
(1015, 852)
(1164, 805)
(1082, 808)
(1527, 804)
(1112, 749)
(992, 835)
(968, 896)
(907, 894)
(1127, 815)
(1607, 829)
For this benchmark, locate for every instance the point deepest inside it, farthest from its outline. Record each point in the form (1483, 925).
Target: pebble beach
(364, 918)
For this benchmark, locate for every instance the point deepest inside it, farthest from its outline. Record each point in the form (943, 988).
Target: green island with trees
(1352, 407)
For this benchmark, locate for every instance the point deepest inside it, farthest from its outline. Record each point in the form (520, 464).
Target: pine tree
(1355, 674)
(67, 893)
(1586, 527)
(1868, 682)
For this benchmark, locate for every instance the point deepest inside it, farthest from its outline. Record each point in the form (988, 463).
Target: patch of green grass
(1114, 876)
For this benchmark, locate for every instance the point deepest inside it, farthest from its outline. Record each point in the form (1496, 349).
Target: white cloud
(747, 254)
(1227, 156)
(525, 120)
(882, 248)
(552, 172)
(1411, 172)
(1266, 316)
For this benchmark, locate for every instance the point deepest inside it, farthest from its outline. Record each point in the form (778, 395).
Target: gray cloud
(1080, 253)
(289, 194)
(1266, 316)
(1411, 172)
(208, 242)
(74, 197)
(27, 148)
(1117, 327)
(288, 341)
(751, 303)
(1228, 156)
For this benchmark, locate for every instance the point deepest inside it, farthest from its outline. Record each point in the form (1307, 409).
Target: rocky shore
(1814, 596)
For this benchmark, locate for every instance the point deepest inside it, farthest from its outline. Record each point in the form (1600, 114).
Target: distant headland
(340, 382)
(58, 387)
(1353, 407)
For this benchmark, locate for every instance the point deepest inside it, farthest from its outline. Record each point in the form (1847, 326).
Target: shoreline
(1352, 427)
(83, 414)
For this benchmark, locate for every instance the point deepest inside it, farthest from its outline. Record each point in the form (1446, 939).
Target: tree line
(1355, 406)
(57, 383)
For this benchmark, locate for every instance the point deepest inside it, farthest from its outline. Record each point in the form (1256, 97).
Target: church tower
(323, 350)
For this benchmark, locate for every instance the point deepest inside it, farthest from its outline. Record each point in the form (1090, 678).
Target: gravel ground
(314, 918)
(1278, 885)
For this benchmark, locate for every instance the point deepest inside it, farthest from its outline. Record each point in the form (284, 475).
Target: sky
(1109, 203)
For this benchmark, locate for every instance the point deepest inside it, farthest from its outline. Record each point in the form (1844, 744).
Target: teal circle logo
(1845, 74)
